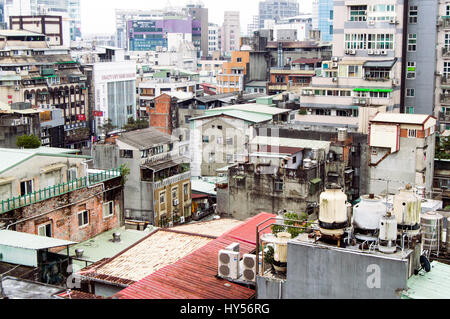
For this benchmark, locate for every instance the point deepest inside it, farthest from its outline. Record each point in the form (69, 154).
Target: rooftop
(155, 251)
(15, 288)
(290, 142)
(243, 115)
(254, 108)
(102, 246)
(195, 275)
(401, 118)
(432, 285)
(11, 156)
(146, 138)
(15, 33)
(215, 228)
(30, 241)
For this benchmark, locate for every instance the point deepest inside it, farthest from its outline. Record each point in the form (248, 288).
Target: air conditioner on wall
(383, 52)
(334, 79)
(370, 52)
(376, 52)
(352, 52)
(392, 21)
(182, 220)
(175, 202)
(228, 266)
(249, 265)
(371, 22)
(335, 59)
(335, 65)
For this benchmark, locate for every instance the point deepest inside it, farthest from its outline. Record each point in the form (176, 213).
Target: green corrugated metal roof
(371, 90)
(432, 285)
(29, 241)
(316, 181)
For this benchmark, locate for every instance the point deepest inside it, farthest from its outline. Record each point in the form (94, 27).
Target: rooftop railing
(93, 177)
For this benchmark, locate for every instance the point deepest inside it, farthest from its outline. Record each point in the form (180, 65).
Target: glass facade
(325, 19)
(121, 102)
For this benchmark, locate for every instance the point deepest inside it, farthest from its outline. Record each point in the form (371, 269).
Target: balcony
(446, 52)
(444, 117)
(172, 180)
(93, 177)
(445, 98)
(444, 22)
(160, 157)
(445, 80)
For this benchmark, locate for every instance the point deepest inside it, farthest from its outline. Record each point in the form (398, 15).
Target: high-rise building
(277, 9)
(213, 38)
(69, 9)
(323, 18)
(199, 15)
(231, 32)
(254, 26)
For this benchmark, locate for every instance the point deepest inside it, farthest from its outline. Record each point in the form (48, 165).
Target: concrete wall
(104, 290)
(325, 273)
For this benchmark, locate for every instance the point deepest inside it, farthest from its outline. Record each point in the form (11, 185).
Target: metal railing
(171, 180)
(58, 190)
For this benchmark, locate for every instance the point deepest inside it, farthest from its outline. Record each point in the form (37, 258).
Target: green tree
(125, 171)
(107, 127)
(28, 141)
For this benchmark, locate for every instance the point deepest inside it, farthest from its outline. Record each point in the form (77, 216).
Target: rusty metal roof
(195, 276)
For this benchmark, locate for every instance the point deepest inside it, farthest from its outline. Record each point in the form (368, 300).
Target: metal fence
(57, 190)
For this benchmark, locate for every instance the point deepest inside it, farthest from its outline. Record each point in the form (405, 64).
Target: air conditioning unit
(376, 52)
(18, 70)
(182, 220)
(249, 265)
(334, 79)
(352, 52)
(392, 21)
(335, 65)
(347, 51)
(17, 88)
(371, 22)
(335, 59)
(16, 122)
(170, 224)
(396, 82)
(228, 266)
(355, 101)
(175, 202)
(383, 52)
(370, 52)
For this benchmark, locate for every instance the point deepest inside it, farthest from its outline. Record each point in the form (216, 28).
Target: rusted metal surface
(195, 276)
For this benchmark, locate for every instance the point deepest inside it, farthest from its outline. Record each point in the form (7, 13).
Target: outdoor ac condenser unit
(228, 264)
(249, 265)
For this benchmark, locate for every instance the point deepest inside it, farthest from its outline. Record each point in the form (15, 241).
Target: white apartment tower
(231, 32)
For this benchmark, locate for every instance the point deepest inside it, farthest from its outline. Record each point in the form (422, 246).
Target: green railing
(57, 190)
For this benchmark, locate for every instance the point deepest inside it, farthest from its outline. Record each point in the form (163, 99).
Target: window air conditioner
(352, 52)
(228, 264)
(182, 220)
(383, 52)
(370, 52)
(175, 202)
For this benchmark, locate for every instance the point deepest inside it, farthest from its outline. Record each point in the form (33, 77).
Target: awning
(52, 168)
(372, 90)
(30, 241)
(380, 64)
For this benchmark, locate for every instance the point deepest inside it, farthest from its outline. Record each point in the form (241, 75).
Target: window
(410, 92)
(413, 14)
(186, 190)
(411, 70)
(219, 140)
(212, 156)
(205, 139)
(410, 110)
(412, 133)
(447, 10)
(278, 186)
(108, 209)
(239, 59)
(229, 158)
(45, 230)
(162, 197)
(83, 218)
(72, 174)
(447, 41)
(412, 42)
(353, 71)
(26, 187)
(357, 13)
(174, 193)
(126, 154)
(229, 141)
(219, 127)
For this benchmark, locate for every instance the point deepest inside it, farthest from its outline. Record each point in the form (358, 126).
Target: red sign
(81, 117)
(98, 113)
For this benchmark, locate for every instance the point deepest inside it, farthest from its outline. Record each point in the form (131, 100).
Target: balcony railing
(445, 52)
(172, 180)
(445, 98)
(444, 117)
(94, 177)
(160, 157)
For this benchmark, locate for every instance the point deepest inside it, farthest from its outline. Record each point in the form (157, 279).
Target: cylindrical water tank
(315, 154)
(280, 253)
(388, 234)
(432, 225)
(420, 191)
(407, 207)
(342, 134)
(367, 215)
(333, 218)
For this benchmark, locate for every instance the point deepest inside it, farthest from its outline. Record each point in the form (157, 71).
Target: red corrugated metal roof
(194, 276)
(75, 294)
(199, 196)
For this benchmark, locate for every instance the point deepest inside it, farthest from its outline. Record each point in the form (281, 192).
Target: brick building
(51, 192)
(164, 116)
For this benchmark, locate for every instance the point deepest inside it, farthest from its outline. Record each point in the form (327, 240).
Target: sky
(97, 16)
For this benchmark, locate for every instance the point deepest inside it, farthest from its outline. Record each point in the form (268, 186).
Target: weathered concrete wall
(270, 289)
(104, 290)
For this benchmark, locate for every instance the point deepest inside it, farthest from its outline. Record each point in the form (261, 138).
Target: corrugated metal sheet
(29, 241)
(194, 276)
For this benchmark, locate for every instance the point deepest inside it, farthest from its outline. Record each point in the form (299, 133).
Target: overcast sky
(97, 16)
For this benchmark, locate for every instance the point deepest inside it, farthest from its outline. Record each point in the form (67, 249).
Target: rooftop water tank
(280, 253)
(388, 234)
(366, 217)
(307, 163)
(342, 134)
(407, 207)
(432, 225)
(333, 218)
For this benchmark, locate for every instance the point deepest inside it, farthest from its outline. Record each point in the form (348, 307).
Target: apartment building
(230, 32)
(158, 188)
(200, 27)
(35, 73)
(322, 20)
(442, 92)
(290, 29)
(51, 192)
(213, 38)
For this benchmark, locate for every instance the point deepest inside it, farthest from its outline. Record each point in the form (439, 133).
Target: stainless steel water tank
(432, 226)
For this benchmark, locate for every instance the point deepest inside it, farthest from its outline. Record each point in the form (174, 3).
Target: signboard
(81, 117)
(98, 113)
